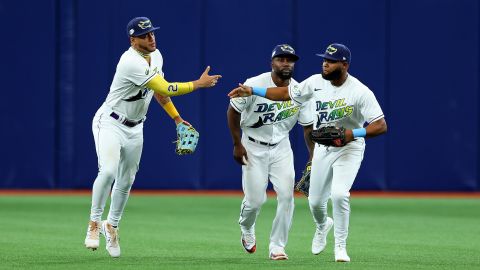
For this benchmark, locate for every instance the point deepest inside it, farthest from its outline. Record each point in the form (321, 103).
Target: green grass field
(201, 232)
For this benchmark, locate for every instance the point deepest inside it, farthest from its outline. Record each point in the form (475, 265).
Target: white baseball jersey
(266, 120)
(128, 95)
(349, 106)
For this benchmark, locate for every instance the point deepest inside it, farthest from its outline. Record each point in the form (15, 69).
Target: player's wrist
(237, 143)
(259, 91)
(196, 84)
(359, 132)
(178, 120)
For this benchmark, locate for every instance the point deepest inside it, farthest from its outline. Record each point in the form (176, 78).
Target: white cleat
(319, 241)
(248, 242)
(277, 254)
(112, 239)
(341, 254)
(92, 240)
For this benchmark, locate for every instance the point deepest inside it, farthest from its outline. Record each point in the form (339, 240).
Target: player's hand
(241, 91)
(240, 154)
(206, 80)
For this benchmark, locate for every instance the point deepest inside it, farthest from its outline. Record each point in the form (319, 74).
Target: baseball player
(118, 127)
(264, 150)
(340, 100)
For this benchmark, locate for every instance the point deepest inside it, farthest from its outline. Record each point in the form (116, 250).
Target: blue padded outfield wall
(420, 57)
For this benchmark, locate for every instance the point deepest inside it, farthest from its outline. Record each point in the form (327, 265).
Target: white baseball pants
(119, 149)
(274, 163)
(333, 172)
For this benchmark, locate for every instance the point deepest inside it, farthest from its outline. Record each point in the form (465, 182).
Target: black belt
(262, 143)
(126, 122)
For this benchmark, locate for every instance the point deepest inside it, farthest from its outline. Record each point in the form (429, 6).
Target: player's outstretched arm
(274, 93)
(159, 85)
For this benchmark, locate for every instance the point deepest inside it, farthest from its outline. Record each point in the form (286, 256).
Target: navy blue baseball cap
(139, 26)
(337, 52)
(284, 50)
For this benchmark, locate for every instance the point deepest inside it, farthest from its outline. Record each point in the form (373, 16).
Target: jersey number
(172, 88)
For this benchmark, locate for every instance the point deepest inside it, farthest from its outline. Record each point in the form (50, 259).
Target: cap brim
(145, 32)
(294, 56)
(329, 57)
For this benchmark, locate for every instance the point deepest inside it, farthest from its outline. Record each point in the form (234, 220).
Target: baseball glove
(329, 136)
(187, 139)
(304, 183)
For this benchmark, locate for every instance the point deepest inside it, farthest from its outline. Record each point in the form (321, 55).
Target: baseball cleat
(319, 241)
(248, 242)
(92, 240)
(112, 239)
(341, 254)
(277, 254)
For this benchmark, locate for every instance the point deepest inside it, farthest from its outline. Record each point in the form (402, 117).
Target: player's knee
(286, 197)
(256, 203)
(340, 197)
(124, 184)
(123, 189)
(316, 202)
(107, 174)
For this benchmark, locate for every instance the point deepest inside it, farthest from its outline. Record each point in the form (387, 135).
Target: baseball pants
(333, 172)
(119, 149)
(274, 163)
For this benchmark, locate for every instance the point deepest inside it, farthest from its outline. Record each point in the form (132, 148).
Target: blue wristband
(359, 132)
(259, 91)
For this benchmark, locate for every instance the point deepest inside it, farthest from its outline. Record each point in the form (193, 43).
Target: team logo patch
(287, 48)
(240, 100)
(145, 24)
(331, 50)
(296, 90)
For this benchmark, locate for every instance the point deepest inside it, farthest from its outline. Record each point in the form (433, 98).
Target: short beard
(145, 48)
(333, 76)
(284, 75)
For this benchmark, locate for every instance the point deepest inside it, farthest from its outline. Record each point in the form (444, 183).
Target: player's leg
(127, 169)
(254, 184)
(107, 144)
(282, 176)
(345, 169)
(319, 193)
(320, 183)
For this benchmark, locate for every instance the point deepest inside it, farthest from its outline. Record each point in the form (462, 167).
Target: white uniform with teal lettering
(334, 168)
(266, 125)
(118, 146)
